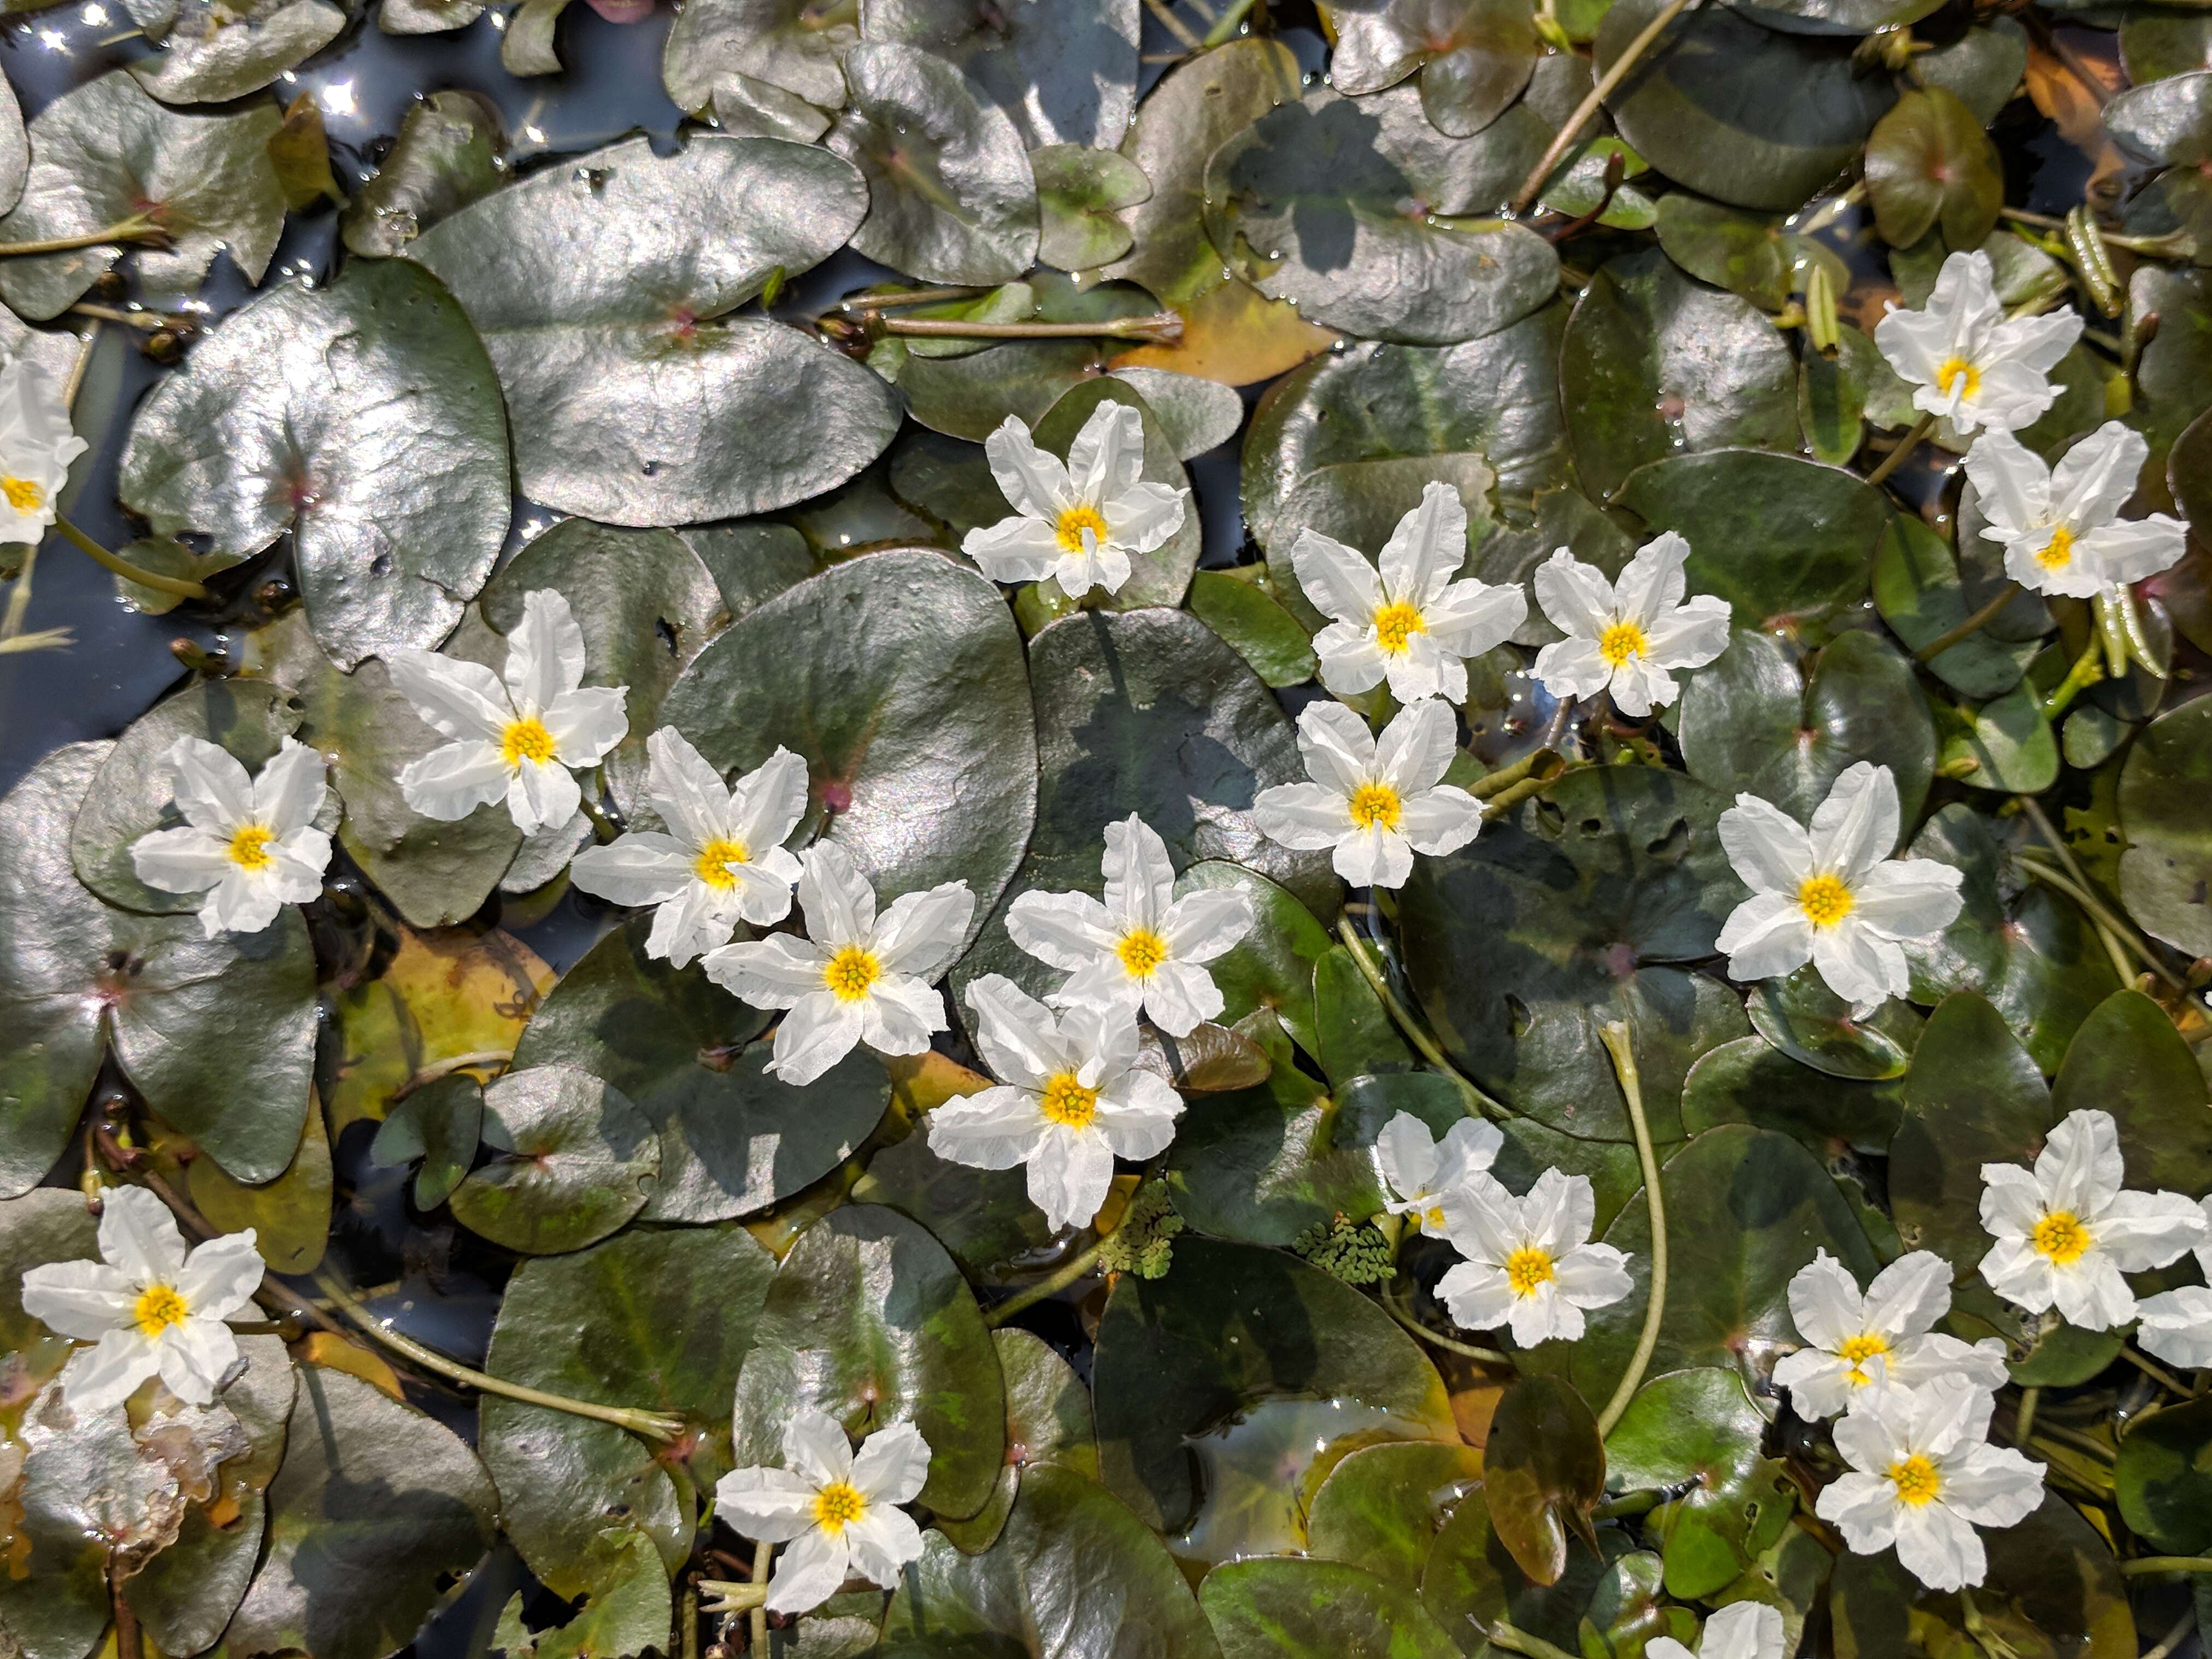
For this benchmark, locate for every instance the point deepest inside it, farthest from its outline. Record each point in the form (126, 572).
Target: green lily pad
(1073, 1573)
(447, 155)
(1743, 113)
(210, 54)
(441, 1123)
(2168, 122)
(782, 42)
(1918, 589)
(1356, 1037)
(951, 198)
(1696, 1433)
(1267, 636)
(983, 1217)
(2128, 1060)
(103, 152)
(2168, 861)
(1749, 254)
(1474, 57)
(1066, 74)
(1983, 66)
(1162, 576)
(2042, 1350)
(1471, 1583)
(657, 1320)
(1838, 398)
(290, 1216)
(592, 322)
(1048, 1426)
(1081, 193)
(2006, 745)
(751, 563)
(575, 1161)
(1788, 542)
(1297, 1608)
(1655, 364)
(218, 1034)
(1750, 1081)
(1197, 415)
(1382, 1507)
(2165, 1479)
(1272, 966)
(626, 1613)
(2158, 41)
(1803, 1018)
(1973, 1096)
(382, 441)
(376, 1510)
(1544, 1470)
(967, 396)
(869, 1321)
(898, 677)
(1930, 165)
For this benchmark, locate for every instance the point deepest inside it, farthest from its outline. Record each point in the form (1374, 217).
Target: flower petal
(1034, 482)
(1427, 547)
(454, 778)
(138, 1235)
(1575, 597)
(1336, 580)
(772, 1506)
(920, 934)
(221, 1276)
(1065, 931)
(81, 1299)
(1108, 455)
(808, 1572)
(181, 861)
(459, 700)
(1140, 875)
(819, 1031)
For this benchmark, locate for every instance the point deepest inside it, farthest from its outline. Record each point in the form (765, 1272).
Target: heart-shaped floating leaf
(441, 1123)
(1923, 592)
(1750, 1081)
(376, 1511)
(1473, 56)
(1197, 415)
(447, 155)
(951, 198)
(1065, 70)
(983, 1217)
(628, 1609)
(2128, 1060)
(2168, 862)
(426, 16)
(1262, 632)
(1471, 1583)
(2005, 745)
(1382, 1507)
(1303, 1609)
(1930, 165)
(869, 1321)
(783, 42)
(365, 418)
(1697, 1434)
(1747, 253)
(1655, 364)
(1080, 196)
(732, 1138)
(1048, 1426)
(290, 1216)
(573, 1161)
(1543, 1471)
(1803, 1017)
(899, 678)
(211, 53)
(105, 153)
(2165, 1479)
(1272, 966)
(1344, 208)
(1355, 1035)
(602, 291)
(657, 1320)
(218, 1035)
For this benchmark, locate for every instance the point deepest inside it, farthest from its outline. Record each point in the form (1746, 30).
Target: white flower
(1375, 803)
(36, 444)
(1069, 1101)
(1529, 1262)
(1079, 523)
(1967, 363)
(1888, 1335)
(1834, 896)
(519, 739)
(722, 860)
(1742, 1630)
(2061, 528)
(1410, 623)
(1419, 1169)
(2066, 1233)
(856, 977)
(1625, 639)
(2177, 1325)
(1143, 948)
(839, 1513)
(149, 1306)
(253, 841)
(1924, 1476)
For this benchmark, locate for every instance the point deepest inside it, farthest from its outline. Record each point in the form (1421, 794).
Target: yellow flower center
(1395, 626)
(2060, 1236)
(1434, 1217)
(715, 858)
(1067, 1102)
(1073, 522)
(836, 1506)
(1825, 900)
(159, 1307)
(1918, 1483)
(2058, 552)
(1528, 1268)
(1622, 641)
(1857, 1350)
(1954, 370)
(23, 495)
(1375, 806)
(249, 846)
(1142, 951)
(850, 973)
(525, 740)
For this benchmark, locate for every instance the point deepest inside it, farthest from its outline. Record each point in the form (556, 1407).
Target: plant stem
(100, 556)
(602, 827)
(2159, 246)
(1505, 777)
(999, 1312)
(1910, 442)
(1616, 1040)
(2143, 1565)
(1224, 28)
(728, 1595)
(2158, 1374)
(2087, 898)
(136, 228)
(653, 1426)
(2087, 1444)
(2088, 668)
(913, 297)
(482, 1059)
(2023, 1423)
(1173, 25)
(1568, 135)
(2174, 1639)
(1503, 1635)
(1450, 1345)
(1479, 1103)
(757, 1623)
(1162, 328)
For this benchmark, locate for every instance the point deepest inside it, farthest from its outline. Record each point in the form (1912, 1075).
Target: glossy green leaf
(1697, 1433)
(2168, 861)
(1382, 1507)
(1752, 1081)
(1066, 72)
(2165, 1479)
(781, 42)
(1471, 1583)
(967, 396)
(573, 1160)
(1921, 592)
(1803, 1017)
(2127, 1059)
(1544, 1470)
(1356, 1035)
(1272, 966)
(1080, 193)
(439, 1123)
(210, 54)
(1930, 165)
(985, 1218)
(1286, 1606)
(1267, 636)
(1747, 253)
(1048, 1425)
(1474, 57)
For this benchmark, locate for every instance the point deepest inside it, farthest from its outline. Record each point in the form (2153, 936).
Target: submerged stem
(1565, 138)
(1616, 1040)
(180, 586)
(2082, 894)
(1973, 624)
(1083, 1261)
(1449, 1343)
(1479, 1103)
(2143, 1565)
(1910, 442)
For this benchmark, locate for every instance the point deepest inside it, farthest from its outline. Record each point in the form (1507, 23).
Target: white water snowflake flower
(1742, 1630)
(1419, 1169)
(521, 733)
(1143, 950)
(150, 1307)
(2065, 1232)
(838, 1512)
(1408, 623)
(1832, 896)
(1626, 637)
(1069, 1101)
(1923, 1476)
(2061, 527)
(37, 444)
(2177, 1324)
(1374, 804)
(1888, 1334)
(722, 860)
(1530, 1265)
(856, 977)
(249, 843)
(1966, 362)
(1076, 522)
